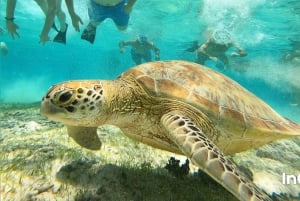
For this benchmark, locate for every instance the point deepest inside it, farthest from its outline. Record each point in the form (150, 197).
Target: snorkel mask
(142, 38)
(222, 37)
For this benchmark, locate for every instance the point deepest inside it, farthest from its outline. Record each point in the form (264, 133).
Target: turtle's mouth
(49, 110)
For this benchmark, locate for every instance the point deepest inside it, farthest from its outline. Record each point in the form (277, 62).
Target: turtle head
(74, 102)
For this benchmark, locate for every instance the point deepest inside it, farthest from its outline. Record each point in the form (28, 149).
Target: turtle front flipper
(208, 157)
(85, 136)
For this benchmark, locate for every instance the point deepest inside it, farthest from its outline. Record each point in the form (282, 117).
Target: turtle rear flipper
(209, 158)
(85, 136)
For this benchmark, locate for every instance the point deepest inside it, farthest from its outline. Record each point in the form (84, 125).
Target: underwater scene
(128, 100)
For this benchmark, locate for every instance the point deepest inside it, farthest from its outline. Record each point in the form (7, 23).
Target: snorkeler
(99, 10)
(141, 49)
(215, 47)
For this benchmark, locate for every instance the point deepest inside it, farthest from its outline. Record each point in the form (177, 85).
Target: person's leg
(224, 59)
(119, 16)
(222, 62)
(49, 20)
(61, 36)
(200, 58)
(60, 14)
(97, 15)
(44, 7)
(136, 57)
(147, 56)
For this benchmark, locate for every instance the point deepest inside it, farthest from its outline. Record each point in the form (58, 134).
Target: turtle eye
(64, 97)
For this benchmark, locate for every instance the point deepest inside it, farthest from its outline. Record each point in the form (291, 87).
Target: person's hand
(157, 57)
(122, 50)
(12, 28)
(44, 39)
(213, 58)
(235, 54)
(75, 22)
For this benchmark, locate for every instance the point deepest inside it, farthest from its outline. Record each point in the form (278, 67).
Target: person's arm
(10, 8)
(122, 45)
(10, 25)
(128, 6)
(156, 52)
(202, 49)
(48, 21)
(241, 52)
(74, 17)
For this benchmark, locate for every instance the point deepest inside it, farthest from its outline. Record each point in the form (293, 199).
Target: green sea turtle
(177, 106)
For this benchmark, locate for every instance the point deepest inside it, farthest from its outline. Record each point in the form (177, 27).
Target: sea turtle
(178, 106)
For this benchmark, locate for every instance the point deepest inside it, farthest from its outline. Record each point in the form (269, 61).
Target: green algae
(123, 169)
(41, 162)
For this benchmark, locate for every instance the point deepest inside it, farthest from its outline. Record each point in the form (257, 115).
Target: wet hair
(222, 36)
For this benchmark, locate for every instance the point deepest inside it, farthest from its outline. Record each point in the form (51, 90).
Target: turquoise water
(264, 28)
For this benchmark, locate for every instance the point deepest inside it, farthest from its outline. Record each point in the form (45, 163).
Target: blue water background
(264, 28)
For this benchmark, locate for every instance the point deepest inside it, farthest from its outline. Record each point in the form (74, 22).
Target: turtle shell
(245, 121)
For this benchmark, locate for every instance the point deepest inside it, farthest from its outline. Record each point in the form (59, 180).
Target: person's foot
(61, 36)
(89, 33)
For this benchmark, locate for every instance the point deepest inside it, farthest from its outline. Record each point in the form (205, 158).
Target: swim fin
(61, 36)
(89, 33)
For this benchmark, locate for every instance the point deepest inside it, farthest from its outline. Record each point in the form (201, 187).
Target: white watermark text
(290, 179)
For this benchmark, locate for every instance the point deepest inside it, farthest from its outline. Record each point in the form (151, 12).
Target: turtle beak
(49, 110)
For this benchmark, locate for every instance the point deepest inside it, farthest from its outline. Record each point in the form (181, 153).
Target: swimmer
(215, 47)
(99, 10)
(141, 49)
(3, 48)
